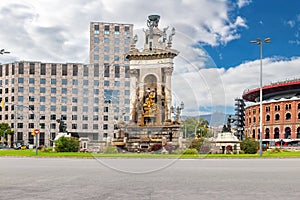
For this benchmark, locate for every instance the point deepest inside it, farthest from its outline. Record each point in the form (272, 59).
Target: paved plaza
(147, 179)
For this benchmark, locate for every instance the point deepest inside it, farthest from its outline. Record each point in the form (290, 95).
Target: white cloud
(242, 3)
(50, 31)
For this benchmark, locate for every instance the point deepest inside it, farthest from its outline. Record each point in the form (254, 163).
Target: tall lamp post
(259, 42)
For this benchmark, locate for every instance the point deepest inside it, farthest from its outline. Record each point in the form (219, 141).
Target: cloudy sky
(216, 62)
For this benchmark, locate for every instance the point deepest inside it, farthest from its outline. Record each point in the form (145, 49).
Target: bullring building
(90, 98)
(281, 113)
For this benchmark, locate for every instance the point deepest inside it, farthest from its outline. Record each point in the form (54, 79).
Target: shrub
(156, 147)
(47, 149)
(67, 144)
(275, 150)
(170, 148)
(111, 150)
(250, 146)
(178, 151)
(196, 144)
(191, 151)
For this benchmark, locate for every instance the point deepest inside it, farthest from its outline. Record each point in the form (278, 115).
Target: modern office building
(90, 98)
(109, 42)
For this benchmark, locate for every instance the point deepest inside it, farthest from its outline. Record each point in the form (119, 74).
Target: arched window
(298, 132)
(253, 133)
(287, 133)
(299, 115)
(288, 116)
(276, 133)
(267, 133)
(254, 119)
(268, 118)
(277, 117)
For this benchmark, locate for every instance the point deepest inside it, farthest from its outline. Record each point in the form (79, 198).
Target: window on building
(74, 99)
(106, 70)
(74, 91)
(74, 126)
(96, 40)
(106, 29)
(288, 116)
(106, 49)
(96, 57)
(64, 108)
(53, 117)
(53, 69)
(52, 108)
(85, 82)
(53, 90)
(95, 117)
(117, 71)
(53, 81)
(106, 40)
(31, 68)
(31, 80)
(267, 118)
(31, 98)
(127, 83)
(85, 108)
(105, 126)
(85, 117)
(85, 70)
(105, 109)
(96, 29)
(96, 70)
(31, 89)
(64, 70)
(117, 30)
(75, 70)
(21, 68)
(85, 126)
(74, 117)
(277, 117)
(64, 81)
(74, 82)
(42, 81)
(43, 69)
(20, 80)
(64, 90)
(74, 108)
(42, 99)
(127, 71)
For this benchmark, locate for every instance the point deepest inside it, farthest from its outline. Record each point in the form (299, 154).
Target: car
(22, 147)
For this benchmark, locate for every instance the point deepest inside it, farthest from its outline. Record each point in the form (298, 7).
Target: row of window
(107, 40)
(288, 116)
(64, 71)
(63, 108)
(286, 134)
(106, 49)
(54, 126)
(288, 106)
(107, 28)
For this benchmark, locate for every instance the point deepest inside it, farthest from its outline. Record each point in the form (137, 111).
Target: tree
(67, 144)
(249, 146)
(196, 127)
(5, 129)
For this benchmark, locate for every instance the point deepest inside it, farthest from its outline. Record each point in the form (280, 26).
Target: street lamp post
(259, 42)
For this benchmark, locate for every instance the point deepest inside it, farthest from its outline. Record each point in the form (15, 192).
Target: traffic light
(32, 132)
(240, 117)
(2, 103)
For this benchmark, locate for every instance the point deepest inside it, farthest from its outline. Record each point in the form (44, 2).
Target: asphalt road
(147, 179)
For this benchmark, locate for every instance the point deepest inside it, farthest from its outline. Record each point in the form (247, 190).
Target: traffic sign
(36, 131)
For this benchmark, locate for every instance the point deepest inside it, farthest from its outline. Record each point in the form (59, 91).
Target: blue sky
(216, 61)
(278, 19)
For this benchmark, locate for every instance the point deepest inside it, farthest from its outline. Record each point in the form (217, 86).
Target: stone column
(133, 97)
(168, 92)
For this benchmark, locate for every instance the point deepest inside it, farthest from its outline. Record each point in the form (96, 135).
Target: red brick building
(281, 113)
